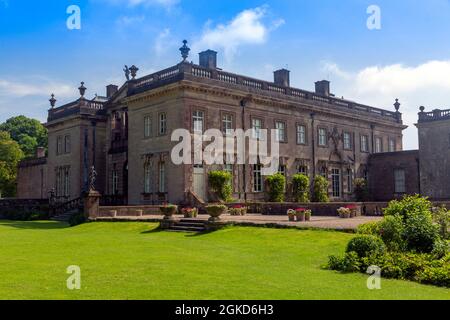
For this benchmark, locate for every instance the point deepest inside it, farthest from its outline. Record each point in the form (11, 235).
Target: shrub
(220, 184)
(360, 190)
(441, 216)
(391, 230)
(349, 263)
(440, 248)
(276, 184)
(77, 219)
(420, 233)
(300, 186)
(365, 245)
(370, 228)
(409, 205)
(238, 210)
(439, 276)
(320, 189)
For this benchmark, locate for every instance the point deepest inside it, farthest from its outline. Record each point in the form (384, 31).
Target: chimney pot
(282, 78)
(208, 59)
(323, 88)
(40, 152)
(111, 90)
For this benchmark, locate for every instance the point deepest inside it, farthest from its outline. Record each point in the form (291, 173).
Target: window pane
(399, 175)
(301, 134)
(336, 182)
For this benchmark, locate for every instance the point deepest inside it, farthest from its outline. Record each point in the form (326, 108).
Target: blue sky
(408, 58)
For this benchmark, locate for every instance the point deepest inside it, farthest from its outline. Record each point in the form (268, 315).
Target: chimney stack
(208, 59)
(40, 152)
(111, 90)
(323, 88)
(281, 78)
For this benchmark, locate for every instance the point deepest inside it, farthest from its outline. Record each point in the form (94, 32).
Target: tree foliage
(10, 155)
(28, 133)
(300, 188)
(320, 189)
(276, 184)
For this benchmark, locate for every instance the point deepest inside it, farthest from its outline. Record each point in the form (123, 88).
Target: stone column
(91, 204)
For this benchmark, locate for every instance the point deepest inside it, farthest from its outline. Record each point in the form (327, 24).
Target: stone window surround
(285, 138)
(326, 145)
(351, 134)
(160, 133)
(361, 135)
(150, 133)
(298, 124)
(233, 119)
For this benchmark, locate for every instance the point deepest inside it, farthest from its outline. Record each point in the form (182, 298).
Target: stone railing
(434, 115)
(186, 70)
(81, 106)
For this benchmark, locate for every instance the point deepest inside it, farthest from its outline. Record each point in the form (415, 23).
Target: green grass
(136, 261)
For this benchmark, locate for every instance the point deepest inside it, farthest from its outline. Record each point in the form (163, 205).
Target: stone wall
(381, 174)
(32, 179)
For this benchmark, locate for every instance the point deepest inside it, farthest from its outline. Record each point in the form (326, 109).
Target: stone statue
(92, 178)
(127, 72)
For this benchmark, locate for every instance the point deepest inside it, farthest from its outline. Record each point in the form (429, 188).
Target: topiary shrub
(365, 245)
(361, 190)
(320, 189)
(220, 184)
(300, 188)
(276, 185)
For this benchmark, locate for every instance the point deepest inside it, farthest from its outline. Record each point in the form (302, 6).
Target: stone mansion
(126, 136)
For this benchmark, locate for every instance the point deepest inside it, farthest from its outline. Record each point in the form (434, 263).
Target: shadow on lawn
(34, 225)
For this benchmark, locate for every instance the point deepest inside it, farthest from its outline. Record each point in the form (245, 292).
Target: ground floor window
(115, 181)
(303, 170)
(400, 181)
(62, 183)
(336, 182)
(147, 179)
(349, 180)
(257, 178)
(162, 177)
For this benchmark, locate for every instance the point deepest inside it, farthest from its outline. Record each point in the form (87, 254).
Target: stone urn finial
(397, 105)
(185, 50)
(422, 109)
(82, 89)
(52, 101)
(133, 71)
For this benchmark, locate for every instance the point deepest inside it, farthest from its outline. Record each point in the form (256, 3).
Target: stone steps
(189, 225)
(65, 217)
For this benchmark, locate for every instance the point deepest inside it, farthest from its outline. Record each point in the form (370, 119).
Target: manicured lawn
(135, 261)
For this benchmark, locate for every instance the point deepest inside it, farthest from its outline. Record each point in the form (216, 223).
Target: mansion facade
(126, 135)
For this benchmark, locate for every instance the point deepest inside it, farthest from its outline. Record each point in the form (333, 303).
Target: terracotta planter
(168, 211)
(291, 218)
(347, 215)
(301, 217)
(353, 213)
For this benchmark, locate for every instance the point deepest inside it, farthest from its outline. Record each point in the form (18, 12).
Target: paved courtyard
(335, 223)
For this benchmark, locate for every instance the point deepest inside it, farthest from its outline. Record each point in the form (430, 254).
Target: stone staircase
(64, 217)
(189, 225)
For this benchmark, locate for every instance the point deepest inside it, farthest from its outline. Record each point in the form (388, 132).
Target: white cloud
(247, 28)
(10, 88)
(162, 42)
(125, 21)
(426, 84)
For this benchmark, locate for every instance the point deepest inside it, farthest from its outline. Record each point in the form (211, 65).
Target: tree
(276, 184)
(28, 133)
(10, 155)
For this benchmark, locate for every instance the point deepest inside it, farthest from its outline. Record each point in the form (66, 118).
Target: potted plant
(291, 214)
(238, 210)
(352, 209)
(168, 210)
(190, 212)
(344, 213)
(308, 214)
(215, 211)
(300, 213)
